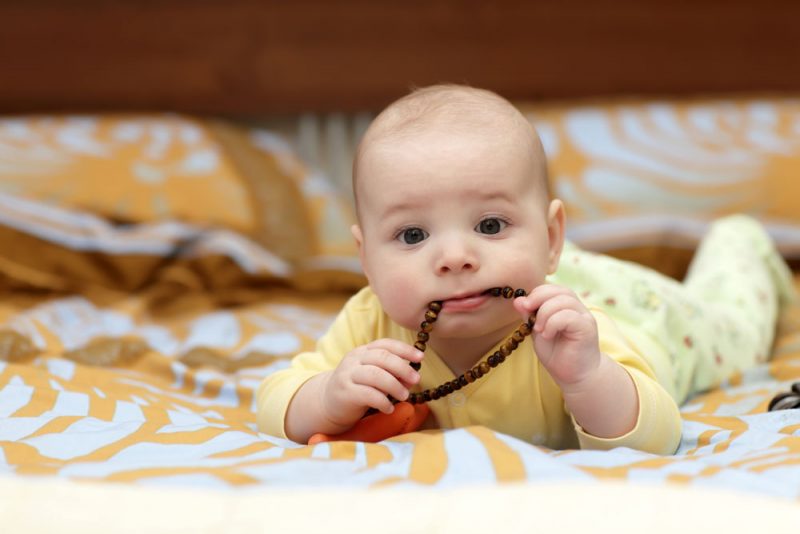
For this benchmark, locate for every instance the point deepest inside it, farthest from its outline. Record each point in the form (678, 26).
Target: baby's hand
(564, 333)
(364, 378)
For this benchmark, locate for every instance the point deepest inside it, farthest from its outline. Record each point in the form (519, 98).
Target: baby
(452, 200)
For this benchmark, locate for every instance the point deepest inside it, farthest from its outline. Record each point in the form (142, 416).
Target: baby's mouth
(475, 300)
(465, 303)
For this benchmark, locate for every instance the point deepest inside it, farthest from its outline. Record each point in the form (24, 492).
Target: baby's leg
(697, 333)
(740, 282)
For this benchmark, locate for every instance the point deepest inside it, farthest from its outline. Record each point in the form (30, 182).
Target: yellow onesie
(517, 398)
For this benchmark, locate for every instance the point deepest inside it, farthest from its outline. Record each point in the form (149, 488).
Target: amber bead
(484, 367)
(462, 381)
(412, 398)
(423, 336)
(430, 316)
(493, 360)
(416, 365)
(435, 394)
(520, 293)
(477, 372)
(505, 350)
(496, 291)
(435, 306)
(470, 376)
(500, 356)
(426, 326)
(524, 329)
(426, 395)
(442, 390)
(456, 383)
(508, 292)
(517, 336)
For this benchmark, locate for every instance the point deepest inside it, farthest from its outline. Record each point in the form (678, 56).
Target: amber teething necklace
(495, 359)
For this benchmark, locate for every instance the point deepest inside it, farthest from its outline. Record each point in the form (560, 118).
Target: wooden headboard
(250, 57)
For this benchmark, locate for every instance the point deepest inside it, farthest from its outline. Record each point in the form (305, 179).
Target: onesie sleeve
(349, 330)
(658, 427)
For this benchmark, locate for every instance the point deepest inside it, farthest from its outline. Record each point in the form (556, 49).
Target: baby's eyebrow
(495, 195)
(398, 207)
(406, 205)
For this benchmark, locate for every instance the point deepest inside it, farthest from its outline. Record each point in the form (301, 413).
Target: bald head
(453, 110)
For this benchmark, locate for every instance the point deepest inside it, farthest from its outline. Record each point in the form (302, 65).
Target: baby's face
(446, 217)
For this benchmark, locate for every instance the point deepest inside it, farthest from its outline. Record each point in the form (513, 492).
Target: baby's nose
(455, 259)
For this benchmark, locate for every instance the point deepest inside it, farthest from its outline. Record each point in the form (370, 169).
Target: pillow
(106, 199)
(641, 179)
(152, 168)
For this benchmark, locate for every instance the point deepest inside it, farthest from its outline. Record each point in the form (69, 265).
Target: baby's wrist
(605, 404)
(587, 380)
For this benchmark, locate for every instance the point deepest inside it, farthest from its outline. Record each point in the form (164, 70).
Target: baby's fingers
(572, 324)
(545, 292)
(554, 305)
(558, 322)
(403, 350)
(372, 398)
(392, 364)
(380, 380)
(523, 306)
(528, 304)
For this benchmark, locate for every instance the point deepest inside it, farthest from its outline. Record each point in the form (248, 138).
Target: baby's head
(451, 194)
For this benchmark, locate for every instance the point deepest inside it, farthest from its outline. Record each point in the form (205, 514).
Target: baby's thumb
(522, 305)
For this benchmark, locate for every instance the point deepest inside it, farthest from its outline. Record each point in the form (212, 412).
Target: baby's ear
(357, 235)
(556, 223)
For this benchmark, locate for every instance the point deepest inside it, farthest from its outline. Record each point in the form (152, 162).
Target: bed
(156, 263)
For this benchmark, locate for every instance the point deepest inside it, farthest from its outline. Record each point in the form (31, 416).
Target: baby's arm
(598, 391)
(331, 402)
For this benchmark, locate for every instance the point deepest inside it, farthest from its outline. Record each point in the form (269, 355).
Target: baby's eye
(412, 236)
(490, 225)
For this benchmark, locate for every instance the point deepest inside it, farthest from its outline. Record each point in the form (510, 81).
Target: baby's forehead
(444, 143)
(437, 117)
(440, 138)
(442, 160)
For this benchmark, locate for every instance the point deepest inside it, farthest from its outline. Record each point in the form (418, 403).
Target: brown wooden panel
(268, 56)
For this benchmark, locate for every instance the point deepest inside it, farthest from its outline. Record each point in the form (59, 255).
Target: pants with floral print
(720, 320)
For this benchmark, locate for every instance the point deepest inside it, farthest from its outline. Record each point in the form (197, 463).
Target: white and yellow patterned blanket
(180, 414)
(133, 336)
(157, 387)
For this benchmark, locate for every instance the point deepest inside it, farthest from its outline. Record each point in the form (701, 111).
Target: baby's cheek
(402, 303)
(528, 276)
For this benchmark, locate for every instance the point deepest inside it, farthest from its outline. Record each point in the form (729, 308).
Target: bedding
(138, 171)
(131, 344)
(112, 394)
(157, 387)
(642, 178)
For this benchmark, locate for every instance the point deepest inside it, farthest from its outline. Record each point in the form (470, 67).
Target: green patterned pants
(720, 320)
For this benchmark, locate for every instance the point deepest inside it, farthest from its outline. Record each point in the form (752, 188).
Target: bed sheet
(144, 390)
